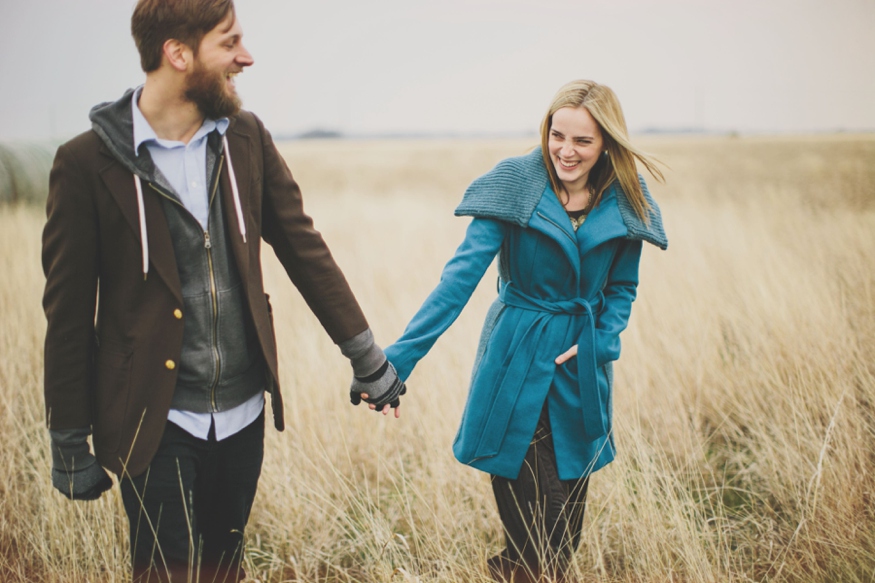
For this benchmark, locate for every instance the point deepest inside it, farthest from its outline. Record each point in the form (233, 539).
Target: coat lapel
(551, 219)
(603, 224)
(120, 183)
(240, 160)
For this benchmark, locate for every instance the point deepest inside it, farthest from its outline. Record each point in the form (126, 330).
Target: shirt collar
(143, 132)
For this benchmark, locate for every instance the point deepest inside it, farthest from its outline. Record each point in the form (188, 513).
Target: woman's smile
(575, 145)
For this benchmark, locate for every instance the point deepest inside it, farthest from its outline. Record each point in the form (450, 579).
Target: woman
(567, 222)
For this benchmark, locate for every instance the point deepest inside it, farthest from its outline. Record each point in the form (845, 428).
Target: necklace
(589, 192)
(576, 223)
(578, 216)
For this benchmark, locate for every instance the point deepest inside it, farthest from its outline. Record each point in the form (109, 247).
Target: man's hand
(75, 471)
(382, 390)
(374, 378)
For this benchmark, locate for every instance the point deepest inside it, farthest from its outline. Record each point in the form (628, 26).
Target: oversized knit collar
(512, 190)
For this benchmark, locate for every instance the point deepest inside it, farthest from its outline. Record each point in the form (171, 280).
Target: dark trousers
(187, 512)
(541, 514)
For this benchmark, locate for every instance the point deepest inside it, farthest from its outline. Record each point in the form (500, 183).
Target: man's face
(221, 56)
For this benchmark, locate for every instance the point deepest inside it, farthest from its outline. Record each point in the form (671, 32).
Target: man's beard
(206, 89)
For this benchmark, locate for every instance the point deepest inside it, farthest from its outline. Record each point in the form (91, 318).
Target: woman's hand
(386, 408)
(565, 356)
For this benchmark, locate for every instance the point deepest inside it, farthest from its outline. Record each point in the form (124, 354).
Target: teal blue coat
(557, 288)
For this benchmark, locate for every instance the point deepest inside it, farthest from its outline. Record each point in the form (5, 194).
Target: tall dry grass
(745, 396)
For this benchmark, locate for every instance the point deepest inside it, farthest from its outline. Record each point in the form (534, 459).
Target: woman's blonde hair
(618, 161)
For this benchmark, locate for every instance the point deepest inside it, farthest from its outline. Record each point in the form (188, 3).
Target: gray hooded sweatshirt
(221, 365)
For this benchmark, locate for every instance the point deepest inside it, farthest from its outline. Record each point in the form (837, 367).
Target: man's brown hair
(154, 22)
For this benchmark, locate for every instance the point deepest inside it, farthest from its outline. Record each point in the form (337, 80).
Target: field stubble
(745, 396)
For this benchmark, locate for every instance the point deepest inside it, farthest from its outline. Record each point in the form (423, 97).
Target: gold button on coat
(177, 313)
(170, 365)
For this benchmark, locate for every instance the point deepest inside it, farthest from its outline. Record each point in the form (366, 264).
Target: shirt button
(170, 365)
(177, 313)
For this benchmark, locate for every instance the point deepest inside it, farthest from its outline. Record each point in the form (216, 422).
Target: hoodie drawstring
(237, 206)
(144, 238)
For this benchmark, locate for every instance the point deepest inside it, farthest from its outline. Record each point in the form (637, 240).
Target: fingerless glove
(383, 387)
(372, 373)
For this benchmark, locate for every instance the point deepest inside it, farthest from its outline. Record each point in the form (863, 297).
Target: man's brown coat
(114, 337)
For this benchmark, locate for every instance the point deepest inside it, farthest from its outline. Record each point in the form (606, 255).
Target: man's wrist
(70, 450)
(364, 354)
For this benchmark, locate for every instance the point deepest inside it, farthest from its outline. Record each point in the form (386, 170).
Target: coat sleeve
(620, 291)
(302, 250)
(458, 281)
(70, 258)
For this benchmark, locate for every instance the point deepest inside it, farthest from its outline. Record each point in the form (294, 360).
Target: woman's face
(575, 144)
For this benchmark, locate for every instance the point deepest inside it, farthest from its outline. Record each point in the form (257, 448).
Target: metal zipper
(214, 292)
(167, 196)
(215, 327)
(214, 295)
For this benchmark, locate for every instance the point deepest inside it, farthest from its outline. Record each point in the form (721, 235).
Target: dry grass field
(745, 396)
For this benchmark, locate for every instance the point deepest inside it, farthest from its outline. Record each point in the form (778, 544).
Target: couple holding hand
(160, 340)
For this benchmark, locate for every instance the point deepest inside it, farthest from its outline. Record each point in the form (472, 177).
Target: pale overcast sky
(472, 66)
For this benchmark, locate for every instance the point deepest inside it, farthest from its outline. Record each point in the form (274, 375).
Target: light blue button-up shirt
(185, 167)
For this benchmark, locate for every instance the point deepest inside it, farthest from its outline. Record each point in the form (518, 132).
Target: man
(160, 336)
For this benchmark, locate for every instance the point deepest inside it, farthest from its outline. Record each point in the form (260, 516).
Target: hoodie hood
(113, 121)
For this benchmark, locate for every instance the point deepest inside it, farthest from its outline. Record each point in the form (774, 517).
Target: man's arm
(70, 263)
(311, 267)
(302, 250)
(70, 258)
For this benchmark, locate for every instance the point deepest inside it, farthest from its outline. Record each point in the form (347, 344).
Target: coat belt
(546, 327)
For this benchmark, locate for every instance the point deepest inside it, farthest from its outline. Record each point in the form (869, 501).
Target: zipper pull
(207, 242)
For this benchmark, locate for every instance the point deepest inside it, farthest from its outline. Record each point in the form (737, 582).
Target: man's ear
(178, 54)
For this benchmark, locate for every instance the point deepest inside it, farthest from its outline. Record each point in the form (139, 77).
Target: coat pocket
(111, 394)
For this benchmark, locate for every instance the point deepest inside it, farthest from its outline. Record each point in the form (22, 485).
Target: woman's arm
(458, 280)
(620, 291)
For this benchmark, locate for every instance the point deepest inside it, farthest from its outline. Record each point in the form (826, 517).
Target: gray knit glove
(372, 372)
(75, 472)
(383, 388)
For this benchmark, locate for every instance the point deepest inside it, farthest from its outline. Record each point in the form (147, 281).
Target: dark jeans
(541, 514)
(187, 512)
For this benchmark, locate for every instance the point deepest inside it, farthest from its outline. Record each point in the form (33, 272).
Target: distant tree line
(24, 172)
